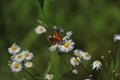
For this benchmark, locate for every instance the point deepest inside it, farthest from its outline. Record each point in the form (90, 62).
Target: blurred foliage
(93, 22)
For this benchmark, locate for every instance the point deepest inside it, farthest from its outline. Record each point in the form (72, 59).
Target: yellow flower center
(75, 60)
(26, 54)
(53, 45)
(16, 65)
(41, 29)
(66, 44)
(29, 63)
(14, 47)
(87, 55)
(78, 54)
(19, 56)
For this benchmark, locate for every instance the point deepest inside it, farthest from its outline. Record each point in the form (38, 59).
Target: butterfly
(56, 38)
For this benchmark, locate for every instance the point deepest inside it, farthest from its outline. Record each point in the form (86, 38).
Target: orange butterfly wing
(56, 39)
(57, 36)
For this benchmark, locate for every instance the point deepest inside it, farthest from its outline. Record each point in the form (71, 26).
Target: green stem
(43, 15)
(47, 70)
(92, 77)
(117, 60)
(36, 71)
(29, 39)
(29, 74)
(83, 67)
(65, 62)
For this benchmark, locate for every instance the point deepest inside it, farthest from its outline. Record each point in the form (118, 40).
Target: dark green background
(93, 22)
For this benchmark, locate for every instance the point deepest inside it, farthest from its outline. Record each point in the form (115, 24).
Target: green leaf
(41, 3)
(29, 39)
(55, 65)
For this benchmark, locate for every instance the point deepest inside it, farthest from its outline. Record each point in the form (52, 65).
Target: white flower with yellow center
(75, 61)
(96, 64)
(75, 71)
(14, 49)
(18, 58)
(53, 47)
(67, 46)
(86, 56)
(27, 55)
(40, 29)
(78, 53)
(16, 67)
(116, 37)
(49, 76)
(29, 64)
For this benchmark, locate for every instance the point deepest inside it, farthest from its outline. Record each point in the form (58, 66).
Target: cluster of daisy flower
(65, 45)
(60, 44)
(18, 58)
(78, 55)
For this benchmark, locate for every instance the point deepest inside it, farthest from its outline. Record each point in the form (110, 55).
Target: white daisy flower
(27, 55)
(96, 64)
(75, 61)
(16, 67)
(24, 79)
(116, 37)
(13, 57)
(18, 58)
(53, 47)
(87, 79)
(86, 56)
(78, 53)
(29, 64)
(75, 71)
(55, 27)
(66, 38)
(67, 46)
(14, 49)
(49, 76)
(40, 29)
(69, 33)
